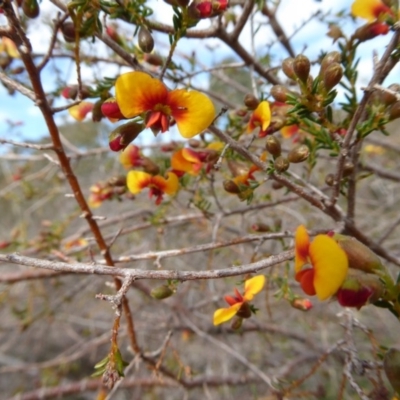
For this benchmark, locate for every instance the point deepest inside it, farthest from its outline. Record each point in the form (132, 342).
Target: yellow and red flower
(371, 10)
(131, 157)
(137, 93)
(99, 192)
(158, 185)
(326, 264)
(238, 304)
(260, 118)
(80, 111)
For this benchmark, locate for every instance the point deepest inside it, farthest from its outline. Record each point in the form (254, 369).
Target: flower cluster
(340, 266)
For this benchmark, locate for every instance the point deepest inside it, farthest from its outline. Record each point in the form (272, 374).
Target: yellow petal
(169, 185)
(253, 286)
(137, 181)
(137, 92)
(225, 314)
(302, 243)
(193, 111)
(330, 266)
(369, 9)
(217, 146)
(261, 117)
(10, 48)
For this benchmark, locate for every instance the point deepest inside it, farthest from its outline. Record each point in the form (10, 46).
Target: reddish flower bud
(200, 9)
(301, 304)
(236, 324)
(330, 179)
(120, 137)
(261, 227)
(369, 31)
(388, 98)
(359, 289)
(110, 109)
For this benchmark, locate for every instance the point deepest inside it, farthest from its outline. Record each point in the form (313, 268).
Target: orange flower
(186, 160)
(138, 93)
(329, 264)
(238, 304)
(80, 111)
(371, 10)
(261, 117)
(158, 185)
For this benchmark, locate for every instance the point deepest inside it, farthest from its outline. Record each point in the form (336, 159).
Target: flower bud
(251, 102)
(145, 40)
(287, 68)
(348, 169)
(301, 304)
(261, 227)
(31, 8)
(388, 98)
(71, 92)
(281, 164)
(161, 292)
(110, 109)
(68, 31)
(276, 124)
(273, 146)
(277, 185)
(231, 187)
(279, 93)
(359, 289)
(360, 257)
(149, 166)
(370, 30)
(97, 115)
(153, 59)
(301, 67)
(117, 181)
(236, 324)
(332, 76)
(330, 179)
(120, 137)
(330, 58)
(244, 311)
(391, 365)
(299, 154)
(394, 111)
